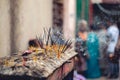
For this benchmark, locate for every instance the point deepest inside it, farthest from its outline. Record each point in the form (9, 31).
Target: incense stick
(48, 36)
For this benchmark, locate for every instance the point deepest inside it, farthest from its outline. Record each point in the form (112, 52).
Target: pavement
(103, 78)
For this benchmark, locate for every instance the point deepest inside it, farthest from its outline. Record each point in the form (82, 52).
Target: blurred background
(22, 20)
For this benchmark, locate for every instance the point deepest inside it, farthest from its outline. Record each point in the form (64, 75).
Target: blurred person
(93, 68)
(103, 41)
(80, 63)
(81, 49)
(102, 33)
(113, 34)
(82, 34)
(82, 24)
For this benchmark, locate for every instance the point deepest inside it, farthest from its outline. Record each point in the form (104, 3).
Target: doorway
(104, 10)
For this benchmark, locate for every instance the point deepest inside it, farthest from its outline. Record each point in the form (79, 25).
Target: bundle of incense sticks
(48, 47)
(49, 44)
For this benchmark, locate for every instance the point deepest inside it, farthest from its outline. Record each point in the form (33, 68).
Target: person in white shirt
(113, 34)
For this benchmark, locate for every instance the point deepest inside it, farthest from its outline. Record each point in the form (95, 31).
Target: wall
(22, 20)
(4, 27)
(106, 1)
(96, 1)
(69, 19)
(32, 17)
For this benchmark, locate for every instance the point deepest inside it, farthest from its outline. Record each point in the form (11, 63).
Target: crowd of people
(98, 50)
